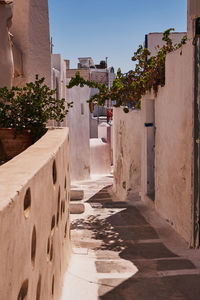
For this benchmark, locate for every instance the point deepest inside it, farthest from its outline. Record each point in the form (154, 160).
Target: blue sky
(112, 28)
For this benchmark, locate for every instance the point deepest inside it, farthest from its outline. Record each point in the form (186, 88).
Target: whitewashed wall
(58, 80)
(79, 131)
(127, 139)
(174, 143)
(31, 35)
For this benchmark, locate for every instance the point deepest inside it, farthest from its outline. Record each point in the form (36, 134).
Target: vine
(128, 89)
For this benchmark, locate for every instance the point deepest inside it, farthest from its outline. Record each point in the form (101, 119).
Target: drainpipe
(196, 43)
(146, 41)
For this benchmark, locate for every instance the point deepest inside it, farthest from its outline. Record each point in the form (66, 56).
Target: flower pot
(11, 145)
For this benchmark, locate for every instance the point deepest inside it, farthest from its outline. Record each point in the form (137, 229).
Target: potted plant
(24, 113)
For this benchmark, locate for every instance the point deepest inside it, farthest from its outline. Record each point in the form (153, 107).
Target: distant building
(82, 124)
(58, 79)
(88, 70)
(100, 73)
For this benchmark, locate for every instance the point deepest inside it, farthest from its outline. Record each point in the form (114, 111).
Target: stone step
(76, 208)
(76, 194)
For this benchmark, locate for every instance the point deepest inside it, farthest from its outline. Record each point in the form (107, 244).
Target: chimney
(67, 63)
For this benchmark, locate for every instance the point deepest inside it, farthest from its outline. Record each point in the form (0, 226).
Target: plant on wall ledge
(24, 114)
(30, 108)
(128, 89)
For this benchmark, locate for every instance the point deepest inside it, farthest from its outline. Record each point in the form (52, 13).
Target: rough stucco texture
(127, 152)
(174, 143)
(31, 34)
(34, 220)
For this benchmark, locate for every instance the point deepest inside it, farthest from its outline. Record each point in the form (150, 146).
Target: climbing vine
(128, 89)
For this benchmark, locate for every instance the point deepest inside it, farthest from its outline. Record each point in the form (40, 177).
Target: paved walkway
(123, 250)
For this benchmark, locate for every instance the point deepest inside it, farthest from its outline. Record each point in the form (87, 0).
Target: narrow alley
(124, 250)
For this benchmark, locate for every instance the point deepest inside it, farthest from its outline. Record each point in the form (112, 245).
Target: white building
(82, 124)
(154, 39)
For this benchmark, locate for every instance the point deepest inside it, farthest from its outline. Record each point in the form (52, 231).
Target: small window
(198, 27)
(82, 109)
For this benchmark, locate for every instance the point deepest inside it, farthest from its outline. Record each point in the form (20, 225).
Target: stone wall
(34, 219)
(127, 139)
(83, 73)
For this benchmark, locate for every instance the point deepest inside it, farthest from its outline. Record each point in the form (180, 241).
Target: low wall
(34, 219)
(105, 133)
(127, 152)
(100, 162)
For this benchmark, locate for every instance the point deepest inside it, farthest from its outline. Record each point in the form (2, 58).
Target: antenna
(52, 45)
(106, 61)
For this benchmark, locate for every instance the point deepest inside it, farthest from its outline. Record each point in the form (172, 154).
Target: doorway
(150, 148)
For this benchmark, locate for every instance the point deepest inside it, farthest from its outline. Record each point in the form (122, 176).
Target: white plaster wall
(105, 132)
(48, 213)
(59, 65)
(148, 148)
(155, 39)
(58, 79)
(79, 131)
(31, 34)
(127, 130)
(100, 162)
(174, 142)
(93, 127)
(6, 55)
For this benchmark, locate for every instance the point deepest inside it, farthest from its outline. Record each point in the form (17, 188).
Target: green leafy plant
(128, 89)
(30, 108)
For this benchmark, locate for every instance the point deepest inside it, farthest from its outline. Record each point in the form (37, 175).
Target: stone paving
(124, 250)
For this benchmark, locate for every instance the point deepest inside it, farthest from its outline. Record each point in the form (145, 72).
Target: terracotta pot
(10, 146)
(91, 107)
